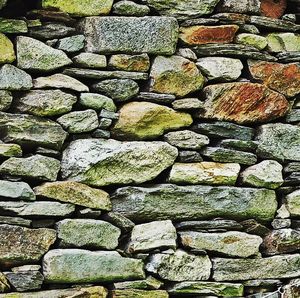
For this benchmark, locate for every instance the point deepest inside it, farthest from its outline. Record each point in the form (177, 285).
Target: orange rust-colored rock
(284, 78)
(243, 103)
(273, 8)
(197, 35)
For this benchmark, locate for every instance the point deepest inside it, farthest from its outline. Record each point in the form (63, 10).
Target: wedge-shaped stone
(205, 173)
(235, 244)
(168, 201)
(75, 193)
(132, 35)
(104, 162)
(79, 266)
(20, 245)
(7, 52)
(285, 266)
(16, 191)
(146, 120)
(18, 129)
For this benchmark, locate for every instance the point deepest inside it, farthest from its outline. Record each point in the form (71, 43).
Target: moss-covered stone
(13, 26)
(257, 41)
(130, 8)
(7, 52)
(139, 294)
(130, 62)
(282, 42)
(9, 150)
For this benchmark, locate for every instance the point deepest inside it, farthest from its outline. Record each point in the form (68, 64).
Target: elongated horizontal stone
(68, 266)
(283, 42)
(167, 201)
(275, 24)
(292, 203)
(273, 9)
(139, 293)
(132, 35)
(16, 190)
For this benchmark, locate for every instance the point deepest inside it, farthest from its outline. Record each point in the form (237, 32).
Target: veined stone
(20, 245)
(71, 44)
(197, 35)
(292, 203)
(273, 9)
(16, 191)
(97, 102)
(81, 8)
(175, 75)
(283, 42)
(130, 62)
(179, 266)
(75, 193)
(130, 8)
(243, 6)
(36, 167)
(90, 60)
(149, 236)
(220, 68)
(87, 161)
(267, 173)
(205, 173)
(34, 55)
(232, 243)
(284, 78)
(4, 284)
(139, 293)
(7, 53)
(146, 120)
(250, 39)
(132, 35)
(67, 265)
(243, 103)
(197, 202)
(10, 150)
(5, 100)
(150, 283)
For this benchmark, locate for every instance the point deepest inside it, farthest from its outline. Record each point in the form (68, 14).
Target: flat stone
(71, 44)
(150, 283)
(20, 245)
(139, 293)
(232, 243)
(5, 100)
(90, 60)
(7, 52)
(132, 35)
(169, 201)
(35, 55)
(18, 129)
(205, 173)
(118, 220)
(273, 24)
(13, 26)
(129, 162)
(175, 75)
(187, 156)
(155, 97)
(88, 233)
(251, 39)
(9, 150)
(130, 8)
(79, 121)
(179, 266)
(243, 6)
(25, 281)
(292, 203)
(198, 35)
(288, 57)
(18, 221)
(149, 236)
(14, 79)
(67, 265)
(243, 103)
(239, 145)
(75, 193)
(145, 120)
(285, 266)
(283, 78)
(97, 102)
(273, 9)
(45, 102)
(220, 68)
(35, 167)
(16, 191)
(267, 173)
(187, 104)
(283, 42)
(251, 226)
(130, 62)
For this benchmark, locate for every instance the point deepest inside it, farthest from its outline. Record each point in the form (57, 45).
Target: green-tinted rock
(80, 8)
(130, 8)
(7, 52)
(13, 26)
(130, 62)
(139, 294)
(145, 120)
(35, 167)
(239, 145)
(34, 55)
(175, 75)
(75, 193)
(16, 191)
(71, 44)
(254, 40)
(9, 150)
(197, 202)
(13, 78)
(90, 60)
(5, 100)
(292, 203)
(97, 102)
(283, 42)
(88, 233)
(79, 266)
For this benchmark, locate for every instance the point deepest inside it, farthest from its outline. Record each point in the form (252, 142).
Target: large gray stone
(242, 6)
(132, 35)
(16, 191)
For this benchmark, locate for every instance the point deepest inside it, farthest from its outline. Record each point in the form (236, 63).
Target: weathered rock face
(273, 9)
(292, 203)
(16, 190)
(130, 62)
(87, 161)
(7, 50)
(243, 6)
(282, 42)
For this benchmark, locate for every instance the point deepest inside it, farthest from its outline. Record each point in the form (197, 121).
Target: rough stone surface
(273, 9)
(7, 52)
(130, 8)
(90, 60)
(251, 39)
(282, 42)
(292, 203)
(71, 44)
(16, 191)
(9, 150)
(130, 62)
(243, 6)
(139, 294)
(97, 102)
(5, 100)
(26, 280)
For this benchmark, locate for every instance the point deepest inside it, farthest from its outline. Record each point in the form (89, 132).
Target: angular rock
(275, 24)
(7, 53)
(235, 244)
(187, 104)
(139, 294)
(292, 203)
(243, 103)
(155, 97)
(79, 121)
(35, 167)
(25, 281)
(168, 201)
(129, 162)
(13, 26)
(239, 145)
(189, 156)
(71, 44)
(149, 236)
(21, 245)
(67, 265)
(45, 102)
(75, 193)
(179, 266)
(16, 191)
(88, 233)
(145, 120)
(220, 68)
(283, 42)
(118, 220)
(90, 60)
(243, 6)
(5, 100)
(273, 9)
(250, 39)
(97, 102)
(34, 55)
(150, 283)
(175, 75)
(130, 8)
(18, 221)
(267, 173)
(130, 62)
(9, 150)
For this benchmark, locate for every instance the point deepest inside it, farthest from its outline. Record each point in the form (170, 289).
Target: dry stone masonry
(149, 148)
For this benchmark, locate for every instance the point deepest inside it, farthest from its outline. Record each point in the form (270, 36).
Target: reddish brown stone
(197, 35)
(273, 8)
(284, 78)
(243, 103)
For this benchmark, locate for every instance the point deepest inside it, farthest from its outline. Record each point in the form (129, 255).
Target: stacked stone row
(149, 148)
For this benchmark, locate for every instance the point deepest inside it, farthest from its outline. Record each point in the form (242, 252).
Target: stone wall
(149, 149)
